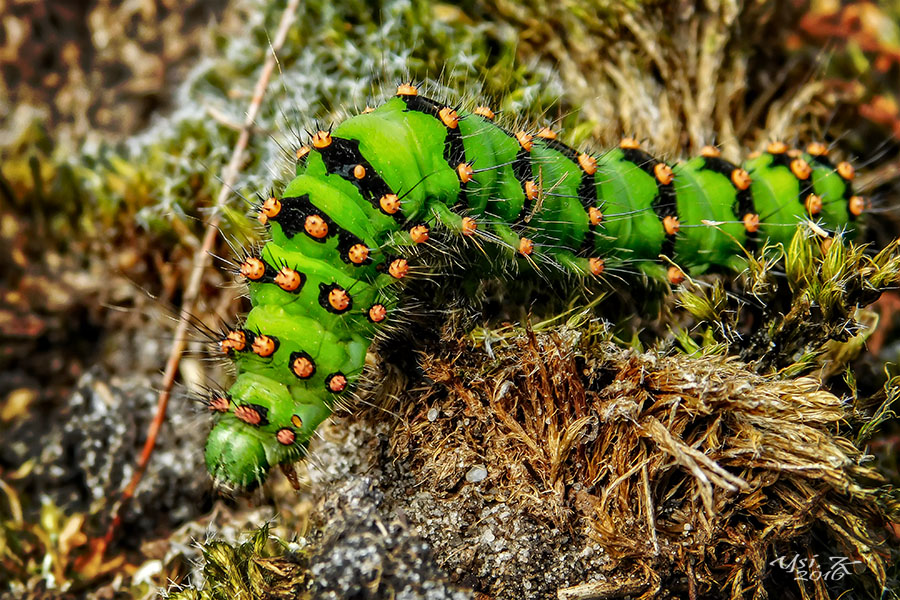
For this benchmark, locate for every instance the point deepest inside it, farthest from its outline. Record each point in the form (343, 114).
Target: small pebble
(476, 474)
(433, 414)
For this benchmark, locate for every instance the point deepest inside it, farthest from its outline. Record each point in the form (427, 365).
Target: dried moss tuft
(691, 475)
(794, 308)
(251, 569)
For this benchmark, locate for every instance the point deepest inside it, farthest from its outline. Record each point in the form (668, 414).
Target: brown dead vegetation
(692, 474)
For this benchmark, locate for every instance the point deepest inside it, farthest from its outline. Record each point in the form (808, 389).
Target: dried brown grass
(693, 474)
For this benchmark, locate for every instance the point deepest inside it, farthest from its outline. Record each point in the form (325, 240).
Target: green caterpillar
(394, 178)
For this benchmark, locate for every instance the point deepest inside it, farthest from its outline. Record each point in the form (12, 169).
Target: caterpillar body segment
(345, 237)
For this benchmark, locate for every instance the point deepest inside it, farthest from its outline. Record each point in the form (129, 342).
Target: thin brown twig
(201, 259)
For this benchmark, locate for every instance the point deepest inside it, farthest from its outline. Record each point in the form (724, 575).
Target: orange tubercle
(710, 152)
(253, 268)
(776, 148)
(531, 190)
(526, 246)
(469, 226)
(419, 233)
(675, 275)
(629, 143)
(339, 299)
(234, 340)
(485, 112)
(525, 140)
(219, 404)
(270, 208)
(587, 163)
(407, 89)
(751, 222)
(288, 279)
(302, 152)
(671, 225)
(316, 226)
(389, 203)
(595, 215)
(322, 139)
(801, 169)
(846, 170)
(596, 265)
(546, 133)
(285, 437)
(377, 313)
(813, 204)
(663, 173)
(248, 414)
(857, 205)
(817, 149)
(337, 382)
(263, 346)
(359, 171)
(741, 179)
(358, 253)
(303, 367)
(399, 268)
(449, 117)
(465, 172)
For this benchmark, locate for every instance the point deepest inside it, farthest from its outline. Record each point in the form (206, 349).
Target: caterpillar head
(264, 424)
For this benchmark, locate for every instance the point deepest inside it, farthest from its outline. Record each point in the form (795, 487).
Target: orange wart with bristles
(219, 404)
(675, 275)
(751, 222)
(264, 345)
(389, 203)
(663, 173)
(465, 172)
(857, 205)
(526, 246)
(234, 341)
(449, 117)
(270, 209)
(525, 140)
(419, 234)
(377, 313)
(800, 168)
(399, 268)
(587, 163)
(321, 139)
(253, 268)
(671, 225)
(485, 112)
(288, 279)
(846, 170)
(741, 179)
(813, 204)
(316, 226)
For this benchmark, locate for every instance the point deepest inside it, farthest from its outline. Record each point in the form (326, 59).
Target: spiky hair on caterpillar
(378, 200)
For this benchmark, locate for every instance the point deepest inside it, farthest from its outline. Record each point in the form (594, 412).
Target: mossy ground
(99, 225)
